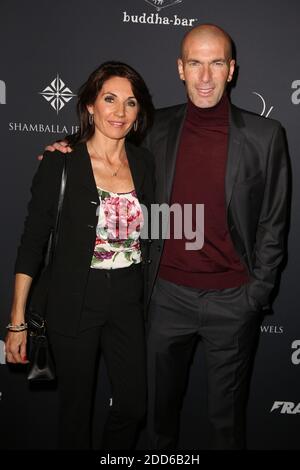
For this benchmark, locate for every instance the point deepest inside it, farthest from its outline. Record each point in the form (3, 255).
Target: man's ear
(180, 69)
(231, 70)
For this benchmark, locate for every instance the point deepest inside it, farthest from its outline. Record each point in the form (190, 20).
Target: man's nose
(205, 73)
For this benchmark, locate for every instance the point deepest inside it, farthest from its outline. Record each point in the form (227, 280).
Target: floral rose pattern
(120, 220)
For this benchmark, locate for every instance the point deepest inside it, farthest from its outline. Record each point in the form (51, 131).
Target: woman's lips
(116, 123)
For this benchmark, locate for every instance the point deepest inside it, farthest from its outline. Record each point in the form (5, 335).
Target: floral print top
(120, 220)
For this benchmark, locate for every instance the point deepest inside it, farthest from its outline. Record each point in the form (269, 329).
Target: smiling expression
(115, 108)
(206, 68)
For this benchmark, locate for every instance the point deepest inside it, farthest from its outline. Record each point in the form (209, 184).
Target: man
(234, 162)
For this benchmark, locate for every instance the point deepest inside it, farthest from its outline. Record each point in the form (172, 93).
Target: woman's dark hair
(88, 93)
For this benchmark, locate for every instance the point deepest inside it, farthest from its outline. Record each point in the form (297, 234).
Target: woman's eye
(109, 99)
(131, 103)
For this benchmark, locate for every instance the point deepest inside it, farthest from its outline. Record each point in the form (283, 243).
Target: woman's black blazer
(76, 241)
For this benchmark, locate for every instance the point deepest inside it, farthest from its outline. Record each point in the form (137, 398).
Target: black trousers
(229, 328)
(112, 321)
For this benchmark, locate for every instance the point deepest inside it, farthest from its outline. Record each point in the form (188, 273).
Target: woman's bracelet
(16, 328)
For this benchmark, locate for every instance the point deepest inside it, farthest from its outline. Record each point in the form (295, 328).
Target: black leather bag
(41, 364)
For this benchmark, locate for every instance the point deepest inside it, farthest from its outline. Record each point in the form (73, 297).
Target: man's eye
(109, 99)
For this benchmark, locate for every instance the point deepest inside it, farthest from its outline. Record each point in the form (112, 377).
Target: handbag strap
(54, 235)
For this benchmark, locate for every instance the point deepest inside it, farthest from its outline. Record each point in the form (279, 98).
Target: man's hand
(62, 146)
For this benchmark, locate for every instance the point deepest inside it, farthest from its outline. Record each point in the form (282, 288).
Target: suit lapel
(172, 150)
(236, 141)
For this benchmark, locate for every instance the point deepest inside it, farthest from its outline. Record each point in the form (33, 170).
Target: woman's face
(115, 108)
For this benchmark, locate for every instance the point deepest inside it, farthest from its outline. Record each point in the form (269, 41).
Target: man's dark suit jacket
(77, 231)
(256, 191)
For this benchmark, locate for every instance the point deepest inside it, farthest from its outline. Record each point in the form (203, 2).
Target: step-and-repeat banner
(48, 48)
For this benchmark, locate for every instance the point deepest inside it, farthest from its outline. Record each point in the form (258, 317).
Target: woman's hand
(15, 347)
(62, 146)
(15, 341)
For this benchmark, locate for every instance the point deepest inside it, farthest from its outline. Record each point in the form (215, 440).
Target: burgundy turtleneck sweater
(200, 179)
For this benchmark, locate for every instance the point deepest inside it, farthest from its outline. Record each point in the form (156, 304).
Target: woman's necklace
(115, 173)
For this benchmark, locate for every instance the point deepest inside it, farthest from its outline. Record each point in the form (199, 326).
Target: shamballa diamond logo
(159, 4)
(57, 94)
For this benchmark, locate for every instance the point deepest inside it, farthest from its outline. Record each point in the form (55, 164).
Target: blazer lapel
(172, 148)
(83, 170)
(136, 165)
(236, 141)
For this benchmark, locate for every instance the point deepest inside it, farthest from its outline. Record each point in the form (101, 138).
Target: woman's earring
(91, 119)
(135, 126)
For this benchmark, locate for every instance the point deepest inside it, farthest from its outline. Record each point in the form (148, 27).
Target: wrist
(17, 327)
(17, 315)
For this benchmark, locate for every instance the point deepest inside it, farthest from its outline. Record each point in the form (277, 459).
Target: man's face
(206, 68)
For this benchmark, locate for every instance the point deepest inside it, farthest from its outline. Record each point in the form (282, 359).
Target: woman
(96, 286)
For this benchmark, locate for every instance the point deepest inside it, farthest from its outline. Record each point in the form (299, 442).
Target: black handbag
(41, 364)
